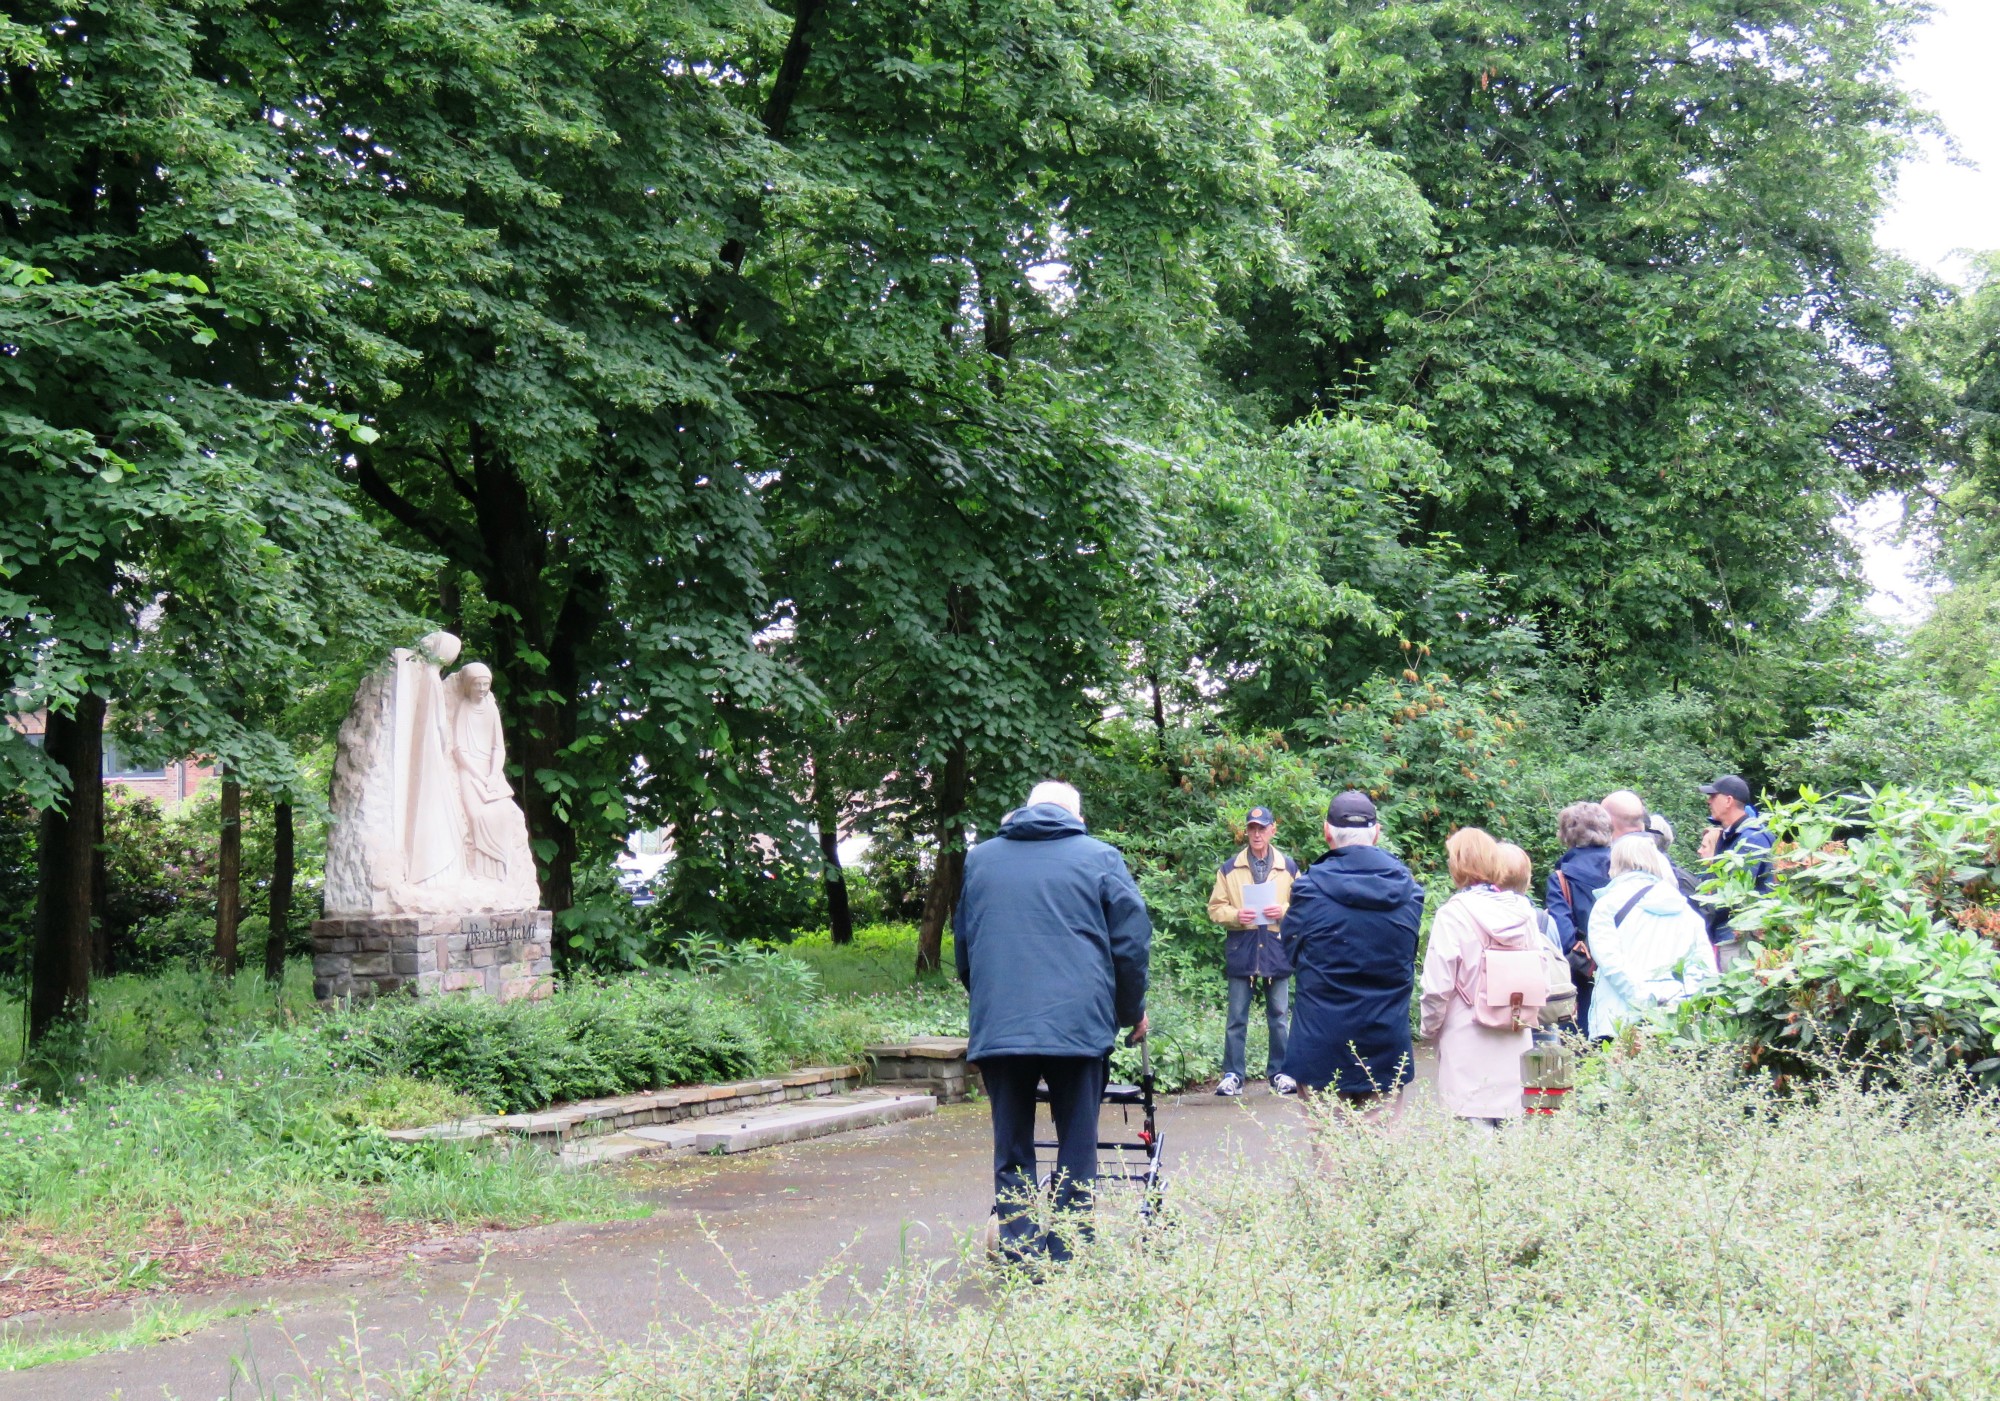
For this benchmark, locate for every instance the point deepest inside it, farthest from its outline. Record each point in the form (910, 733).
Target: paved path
(723, 1230)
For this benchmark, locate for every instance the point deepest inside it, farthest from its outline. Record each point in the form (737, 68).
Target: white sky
(1942, 206)
(1946, 204)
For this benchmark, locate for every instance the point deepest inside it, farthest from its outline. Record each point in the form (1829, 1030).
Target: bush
(1175, 822)
(590, 1040)
(1876, 945)
(159, 878)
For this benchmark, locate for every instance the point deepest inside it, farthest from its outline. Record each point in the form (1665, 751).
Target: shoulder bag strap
(1629, 906)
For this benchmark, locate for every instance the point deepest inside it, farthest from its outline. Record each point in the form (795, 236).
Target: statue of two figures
(423, 818)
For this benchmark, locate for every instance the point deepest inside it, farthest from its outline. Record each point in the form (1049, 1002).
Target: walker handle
(1145, 1051)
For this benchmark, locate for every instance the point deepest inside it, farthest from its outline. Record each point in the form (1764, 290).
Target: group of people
(1628, 922)
(1053, 940)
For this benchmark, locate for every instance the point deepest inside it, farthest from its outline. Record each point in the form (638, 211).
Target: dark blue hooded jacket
(1588, 870)
(1052, 939)
(1353, 926)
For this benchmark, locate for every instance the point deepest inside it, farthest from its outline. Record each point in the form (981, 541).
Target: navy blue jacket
(1750, 836)
(1588, 870)
(1052, 939)
(1352, 928)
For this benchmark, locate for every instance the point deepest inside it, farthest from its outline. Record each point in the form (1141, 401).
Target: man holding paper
(1253, 889)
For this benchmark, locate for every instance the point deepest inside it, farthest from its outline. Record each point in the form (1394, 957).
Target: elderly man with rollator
(1052, 941)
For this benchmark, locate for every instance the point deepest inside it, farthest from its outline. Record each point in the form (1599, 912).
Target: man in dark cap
(1254, 948)
(1352, 933)
(1734, 825)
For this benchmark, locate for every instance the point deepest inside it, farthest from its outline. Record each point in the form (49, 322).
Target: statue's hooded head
(477, 679)
(440, 647)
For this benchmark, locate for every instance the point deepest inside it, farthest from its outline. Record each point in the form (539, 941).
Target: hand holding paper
(1260, 896)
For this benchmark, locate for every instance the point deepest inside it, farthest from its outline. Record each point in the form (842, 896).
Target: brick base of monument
(503, 955)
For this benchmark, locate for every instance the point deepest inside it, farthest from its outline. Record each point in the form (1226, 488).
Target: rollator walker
(1147, 1145)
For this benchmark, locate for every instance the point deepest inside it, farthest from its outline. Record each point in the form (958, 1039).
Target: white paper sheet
(1259, 894)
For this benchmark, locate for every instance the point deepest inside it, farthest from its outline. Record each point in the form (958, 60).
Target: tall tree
(542, 195)
(154, 275)
(1656, 345)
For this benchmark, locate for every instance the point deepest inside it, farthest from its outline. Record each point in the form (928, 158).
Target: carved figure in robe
(496, 828)
(430, 823)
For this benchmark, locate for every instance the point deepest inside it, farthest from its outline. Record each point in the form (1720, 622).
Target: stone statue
(497, 829)
(423, 818)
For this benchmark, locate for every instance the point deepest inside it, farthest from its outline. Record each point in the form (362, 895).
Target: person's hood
(1044, 822)
(1662, 897)
(1497, 912)
(1364, 878)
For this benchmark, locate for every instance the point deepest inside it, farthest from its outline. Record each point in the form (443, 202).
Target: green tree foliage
(1655, 344)
(853, 412)
(158, 284)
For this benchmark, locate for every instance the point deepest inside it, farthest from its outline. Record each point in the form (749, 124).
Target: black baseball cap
(1351, 809)
(1730, 784)
(1259, 817)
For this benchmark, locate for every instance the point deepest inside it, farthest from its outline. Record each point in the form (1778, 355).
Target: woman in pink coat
(1479, 1067)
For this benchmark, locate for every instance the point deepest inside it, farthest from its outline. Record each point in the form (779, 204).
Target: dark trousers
(1076, 1090)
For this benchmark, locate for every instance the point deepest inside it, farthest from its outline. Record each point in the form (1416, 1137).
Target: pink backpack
(1511, 981)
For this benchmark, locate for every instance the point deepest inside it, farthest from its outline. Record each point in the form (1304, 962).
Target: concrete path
(724, 1231)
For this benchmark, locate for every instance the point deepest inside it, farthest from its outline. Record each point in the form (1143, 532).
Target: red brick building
(166, 784)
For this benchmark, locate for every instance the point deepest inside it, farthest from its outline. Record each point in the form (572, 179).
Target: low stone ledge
(933, 1065)
(561, 1124)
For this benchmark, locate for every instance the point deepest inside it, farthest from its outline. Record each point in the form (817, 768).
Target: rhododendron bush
(1879, 941)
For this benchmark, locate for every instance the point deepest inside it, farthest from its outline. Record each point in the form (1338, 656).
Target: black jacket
(1352, 929)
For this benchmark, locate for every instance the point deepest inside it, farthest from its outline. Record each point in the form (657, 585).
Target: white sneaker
(1284, 1085)
(1231, 1085)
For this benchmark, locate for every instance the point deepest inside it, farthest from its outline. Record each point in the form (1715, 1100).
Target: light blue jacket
(1652, 958)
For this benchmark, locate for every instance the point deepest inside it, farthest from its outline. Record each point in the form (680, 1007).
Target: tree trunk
(283, 863)
(1167, 760)
(228, 878)
(826, 807)
(839, 918)
(942, 897)
(103, 957)
(59, 989)
(539, 639)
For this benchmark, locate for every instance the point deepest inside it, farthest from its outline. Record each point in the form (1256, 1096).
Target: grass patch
(882, 961)
(151, 1323)
(152, 1024)
(402, 1102)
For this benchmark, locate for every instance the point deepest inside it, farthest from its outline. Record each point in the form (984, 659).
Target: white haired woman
(1651, 945)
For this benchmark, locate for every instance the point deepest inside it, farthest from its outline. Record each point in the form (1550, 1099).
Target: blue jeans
(1277, 1019)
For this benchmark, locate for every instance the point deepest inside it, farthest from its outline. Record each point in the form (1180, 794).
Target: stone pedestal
(503, 955)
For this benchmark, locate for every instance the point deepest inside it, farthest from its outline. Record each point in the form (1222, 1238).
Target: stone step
(740, 1133)
(601, 1150)
(745, 1130)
